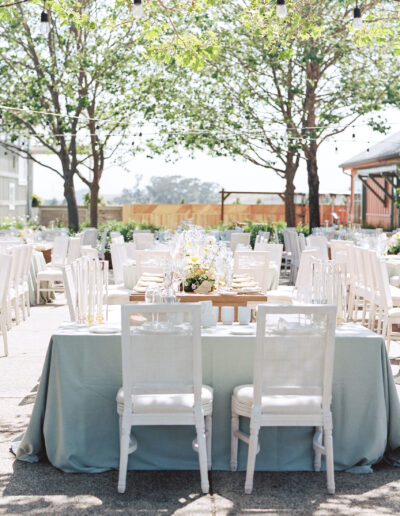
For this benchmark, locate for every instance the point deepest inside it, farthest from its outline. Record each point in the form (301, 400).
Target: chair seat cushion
(51, 274)
(160, 403)
(279, 403)
(395, 293)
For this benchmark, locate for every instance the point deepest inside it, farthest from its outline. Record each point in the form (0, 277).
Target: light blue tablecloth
(74, 421)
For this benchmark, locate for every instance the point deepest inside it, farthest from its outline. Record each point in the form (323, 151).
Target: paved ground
(41, 489)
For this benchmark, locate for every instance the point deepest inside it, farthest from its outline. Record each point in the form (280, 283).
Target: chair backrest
(90, 237)
(70, 291)
(91, 252)
(302, 242)
(140, 231)
(255, 264)
(275, 253)
(27, 257)
(161, 357)
(340, 247)
(151, 262)
(383, 296)
(5, 270)
(103, 243)
(17, 266)
(118, 239)
(59, 251)
(304, 276)
(144, 241)
(239, 238)
(320, 243)
(114, 234)
(294, 351)
(74, 249)
(119, 257)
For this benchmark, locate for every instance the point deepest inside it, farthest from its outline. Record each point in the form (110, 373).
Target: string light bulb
(281, 9)
(137, 9)
(44, 23)
(357, 18)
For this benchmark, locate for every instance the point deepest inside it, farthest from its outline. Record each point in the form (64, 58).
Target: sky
(230, 174)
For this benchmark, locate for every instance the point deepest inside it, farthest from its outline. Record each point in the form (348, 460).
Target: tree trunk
(70, 197)
(313, 185)
(290, 209)
(94, 202)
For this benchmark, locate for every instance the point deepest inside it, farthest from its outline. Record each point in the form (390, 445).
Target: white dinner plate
(104, 330)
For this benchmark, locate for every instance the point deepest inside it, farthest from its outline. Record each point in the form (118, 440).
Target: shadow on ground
(41, 489)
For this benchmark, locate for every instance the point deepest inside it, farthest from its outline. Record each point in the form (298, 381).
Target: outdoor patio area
(40, 488)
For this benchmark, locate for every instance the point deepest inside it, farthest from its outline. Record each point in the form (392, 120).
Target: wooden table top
(217, 299)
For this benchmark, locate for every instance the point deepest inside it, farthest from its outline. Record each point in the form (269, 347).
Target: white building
(15, 184)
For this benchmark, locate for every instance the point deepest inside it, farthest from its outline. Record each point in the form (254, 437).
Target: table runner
(74, 421)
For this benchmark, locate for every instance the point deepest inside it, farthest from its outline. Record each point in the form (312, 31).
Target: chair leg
(202, 448)
(37, 291)
(22, 298)
(208, 426)
(16, 310)
(28, 303)
(317, 451)
(234, 440)
(123, 455)
(251, 458)
(330, 473)
(4, 332)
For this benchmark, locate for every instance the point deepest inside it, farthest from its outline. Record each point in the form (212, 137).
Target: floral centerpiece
(394, 244)
(199, 278)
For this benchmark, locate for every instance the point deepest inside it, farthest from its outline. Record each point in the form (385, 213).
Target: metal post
(222, 205)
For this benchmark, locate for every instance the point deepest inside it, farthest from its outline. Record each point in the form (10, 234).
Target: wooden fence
(169, 215)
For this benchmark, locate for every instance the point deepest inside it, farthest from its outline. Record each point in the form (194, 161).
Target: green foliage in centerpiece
(394, 244)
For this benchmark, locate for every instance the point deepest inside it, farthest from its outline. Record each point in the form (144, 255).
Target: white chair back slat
(144, 241)
(89, 237)
(255, 264)
(239, 238)
(320, 243)
(304, 276)
(119, 257)
(103, 243)
(294, 351)
(74, 249)
(161, 362)
(71, 291)
(59, 251)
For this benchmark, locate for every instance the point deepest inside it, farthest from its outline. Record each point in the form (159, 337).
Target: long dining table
(74, 422)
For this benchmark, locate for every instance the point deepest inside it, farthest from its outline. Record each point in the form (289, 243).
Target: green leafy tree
(77, 92)
(279, 88)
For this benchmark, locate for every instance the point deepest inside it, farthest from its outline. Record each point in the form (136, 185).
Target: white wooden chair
(153, 262)
(53, 272)
(320, 243)
(143, 241)
(119, 257)
(5, 269)
(292, 381)
(284, 293)
(24, 286)
(162, 379)
(255, 264)
(70, 291)
(74, 249)
(119, 239)
(275, 253)
(103, 244)
(239, 238)
(302, 242)
(89, 237)
(15, 294)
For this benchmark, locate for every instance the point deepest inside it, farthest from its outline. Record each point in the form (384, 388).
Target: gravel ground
(41, 489)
